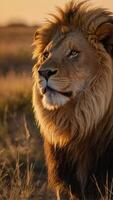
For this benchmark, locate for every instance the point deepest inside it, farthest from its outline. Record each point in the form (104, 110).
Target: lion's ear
(105, 36)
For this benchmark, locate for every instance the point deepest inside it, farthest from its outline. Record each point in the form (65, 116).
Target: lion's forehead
(73, 39)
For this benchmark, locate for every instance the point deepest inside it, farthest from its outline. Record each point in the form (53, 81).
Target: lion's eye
(72, 53)
(45, 55)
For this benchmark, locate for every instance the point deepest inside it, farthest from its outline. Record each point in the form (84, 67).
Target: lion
(73, 99)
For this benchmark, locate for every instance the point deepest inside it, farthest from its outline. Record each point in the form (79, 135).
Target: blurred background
(22, 168)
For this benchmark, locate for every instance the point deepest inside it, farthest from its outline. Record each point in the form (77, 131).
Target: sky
(35, 11)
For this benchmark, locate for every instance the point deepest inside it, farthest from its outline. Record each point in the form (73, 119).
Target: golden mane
(88, 122)
(75, 14)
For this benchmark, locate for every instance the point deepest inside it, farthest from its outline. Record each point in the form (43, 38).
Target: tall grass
(19, 180)
(22, 169)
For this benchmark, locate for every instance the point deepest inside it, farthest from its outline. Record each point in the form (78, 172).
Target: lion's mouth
(66, 94)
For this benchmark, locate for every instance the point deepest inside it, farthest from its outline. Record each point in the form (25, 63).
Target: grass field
(22, 169)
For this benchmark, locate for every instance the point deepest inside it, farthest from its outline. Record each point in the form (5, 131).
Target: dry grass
(22, 169)
(15, 91)
(14, 86)
(19, 180)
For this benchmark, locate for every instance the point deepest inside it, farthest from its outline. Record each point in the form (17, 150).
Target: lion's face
(65, 68)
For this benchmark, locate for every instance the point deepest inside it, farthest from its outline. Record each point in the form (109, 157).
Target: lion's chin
(54, 100)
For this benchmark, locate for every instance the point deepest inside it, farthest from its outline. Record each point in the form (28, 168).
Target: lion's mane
(87, 124)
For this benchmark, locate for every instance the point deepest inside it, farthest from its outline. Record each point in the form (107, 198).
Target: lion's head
(73, 74)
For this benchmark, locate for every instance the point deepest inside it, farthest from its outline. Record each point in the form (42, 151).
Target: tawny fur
(78, 136)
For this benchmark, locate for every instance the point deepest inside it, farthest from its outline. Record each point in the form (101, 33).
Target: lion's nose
(47, 73)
